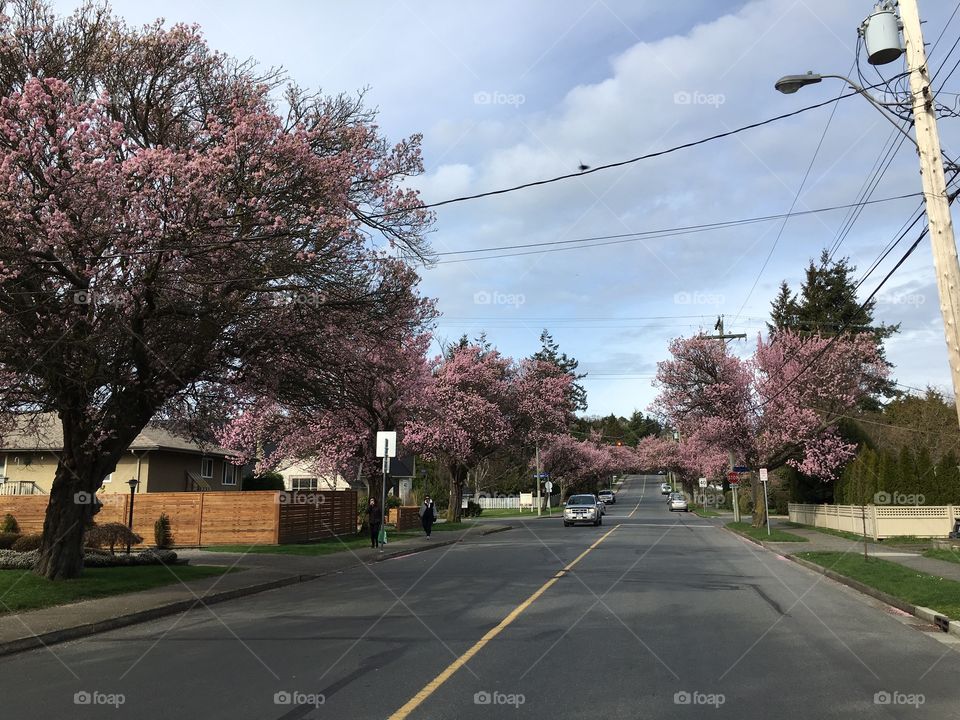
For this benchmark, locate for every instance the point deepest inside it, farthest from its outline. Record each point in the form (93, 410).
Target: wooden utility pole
(720, 335)
(934, 188)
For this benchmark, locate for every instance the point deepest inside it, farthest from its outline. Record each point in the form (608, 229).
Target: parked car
(665, 489)
(677, 502)
(607, 496)
(582, 509)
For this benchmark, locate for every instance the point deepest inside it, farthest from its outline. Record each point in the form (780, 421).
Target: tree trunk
(71, 508)
(458, 475)
(759, 510)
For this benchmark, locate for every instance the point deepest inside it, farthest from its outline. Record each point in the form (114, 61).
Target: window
(303, 483)
(206, 468)
(229, 473)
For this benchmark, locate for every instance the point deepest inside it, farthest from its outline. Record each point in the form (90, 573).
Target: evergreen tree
(948, 477)
(783, 310)
(826, 304)
(550, 352)
(926, 478)
(906, 472)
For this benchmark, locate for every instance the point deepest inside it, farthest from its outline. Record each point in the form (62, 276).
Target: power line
(621, 238)
(621, 163)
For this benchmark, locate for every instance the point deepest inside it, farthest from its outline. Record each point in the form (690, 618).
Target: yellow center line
(440, 679)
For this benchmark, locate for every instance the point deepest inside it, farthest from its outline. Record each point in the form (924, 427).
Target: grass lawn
(918, 588)
(704, 512)
(761, 533)
(328, 546)
(22, 590)
(941, 554)
(902, 540)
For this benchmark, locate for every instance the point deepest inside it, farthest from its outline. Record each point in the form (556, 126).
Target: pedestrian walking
(428, 514)
(375, 520)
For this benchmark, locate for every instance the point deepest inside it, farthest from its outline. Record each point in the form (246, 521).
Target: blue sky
(507, 92)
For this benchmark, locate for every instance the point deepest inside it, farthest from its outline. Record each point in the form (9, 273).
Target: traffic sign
(741, 469)
(763, 475)
(386, 443)
(703, 482)
(733, 478)
(548, 486)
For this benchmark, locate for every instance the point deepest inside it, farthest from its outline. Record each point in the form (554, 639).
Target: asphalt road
(667, 616)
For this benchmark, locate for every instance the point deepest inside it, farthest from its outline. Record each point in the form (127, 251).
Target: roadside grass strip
(760, 533)
(916, 588)
(23, 590)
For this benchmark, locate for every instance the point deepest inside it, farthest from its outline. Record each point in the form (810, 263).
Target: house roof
(44, 432)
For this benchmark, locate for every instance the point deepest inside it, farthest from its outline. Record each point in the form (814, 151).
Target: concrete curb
(54, 637)
(922, 613)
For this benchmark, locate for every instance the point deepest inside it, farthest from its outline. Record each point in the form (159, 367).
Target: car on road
(677, 502)
(582, 509)
(665, 489)
(607, 496)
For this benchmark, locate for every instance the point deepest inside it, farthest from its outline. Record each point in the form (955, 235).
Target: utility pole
(538, 478)
(723, 337)
(934, 188)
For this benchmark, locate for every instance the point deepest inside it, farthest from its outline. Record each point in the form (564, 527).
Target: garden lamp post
(132, 482)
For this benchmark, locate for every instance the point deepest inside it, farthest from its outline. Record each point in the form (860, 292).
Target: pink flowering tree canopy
(177, 238)
(479, 402)
(779, 407)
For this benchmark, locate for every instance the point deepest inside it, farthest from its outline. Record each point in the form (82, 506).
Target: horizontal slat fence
(264, 517)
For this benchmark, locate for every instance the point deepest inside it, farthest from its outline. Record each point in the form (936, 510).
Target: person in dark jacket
(375, 520)
(428, 514)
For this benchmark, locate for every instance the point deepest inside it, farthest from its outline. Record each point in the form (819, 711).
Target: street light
(132, 482)
(789, 84)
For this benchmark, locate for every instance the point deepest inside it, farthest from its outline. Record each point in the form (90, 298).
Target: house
(302, 475)
(160, 460)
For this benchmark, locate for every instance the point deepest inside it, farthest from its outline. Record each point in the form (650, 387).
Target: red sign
(733, 478)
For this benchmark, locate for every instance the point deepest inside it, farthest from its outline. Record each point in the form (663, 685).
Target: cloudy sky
(510, 92)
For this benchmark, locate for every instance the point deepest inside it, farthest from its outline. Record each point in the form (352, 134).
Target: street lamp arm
(789, 84)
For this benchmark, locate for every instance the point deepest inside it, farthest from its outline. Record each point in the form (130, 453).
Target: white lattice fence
(882, 521)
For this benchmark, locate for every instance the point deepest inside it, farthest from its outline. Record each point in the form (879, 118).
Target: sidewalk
(255, 573)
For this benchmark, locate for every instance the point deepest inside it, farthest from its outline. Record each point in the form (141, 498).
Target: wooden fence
(264, 517)
(406, 517)
(881, 521)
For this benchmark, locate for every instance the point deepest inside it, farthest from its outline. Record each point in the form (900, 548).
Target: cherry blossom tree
(480, 402)
(177, 237)
(779, 407)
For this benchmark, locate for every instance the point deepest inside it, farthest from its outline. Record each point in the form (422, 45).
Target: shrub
(393, 501)
(7, 539)
(264, 481)
(472, 509)
(161, 531)
(26, 543)
(10, 560)
(9, 524)
(110, 535)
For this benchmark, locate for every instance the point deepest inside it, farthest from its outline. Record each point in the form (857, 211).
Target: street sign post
(734, 479)
(548, 486)
(386, 448)
(766, 504)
